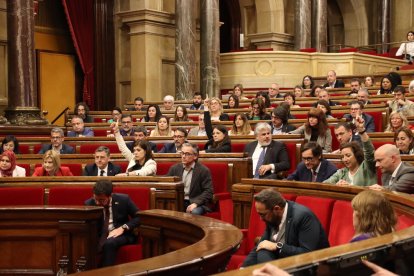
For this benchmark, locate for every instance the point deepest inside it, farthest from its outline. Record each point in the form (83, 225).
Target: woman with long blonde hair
(51, 166)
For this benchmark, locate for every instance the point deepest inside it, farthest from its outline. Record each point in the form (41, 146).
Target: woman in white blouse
(407, 48)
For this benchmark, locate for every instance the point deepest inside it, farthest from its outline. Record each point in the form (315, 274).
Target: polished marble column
(185, 43)
(210, 48)
(320, 25)
(384, 25)
(303, 26)
(22, 87)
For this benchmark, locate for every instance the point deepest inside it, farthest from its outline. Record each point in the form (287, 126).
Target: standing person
(279, 123)
(102, 165)
(313, 167)
(269, 157)
(197, 102)
(51, 166)
(8, 167)
(79, 129)
(291, 229)
(333, 82)
(57, 137)
(198, 187)
(153, 114)
(241, 126)
(407, 48)
(82, 110)
(119, 221)
(10, 142)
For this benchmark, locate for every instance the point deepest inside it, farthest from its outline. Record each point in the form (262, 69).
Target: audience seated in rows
(218, 137)
(51, 166)
(241, 125)
(79, 129)
(153, 113)
(363, 96)
(369, 81)
(168, 103)
(138, 104)
(116, 115)
(10, 142)
(258, 110)
(264, 95)
(290, 99)
(127, 126)
(356, 110)
(387, 85)
(57, 137)
(396, 120)
(232, 102)
(102, 165)
(325, 107)
(324, 95)
(180, 115)
(274, 91)
(141, 133)
(308, 82)
(344, 134)
(8, 167)
(238, 91)
(215, 109)
(407, 48)
(355, 87)
(298, 91)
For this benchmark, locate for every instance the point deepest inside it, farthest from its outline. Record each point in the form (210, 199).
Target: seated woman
(238, 91)
(404, 140)
(369, 81)
(216, 110)
(315, 91)
(180, 115)
(8, 167)
(233, 102)
(316, 129)
(241, 126)
(51, 166)
(373, 215)
(163, 128)
(298, 91)
(219, 140)
(116, 115)
(153, 114)
(141, 161)
(10, 143)
(325, 107)
(387, 85)
(359, 163)
(407, 49)
(258, 110)
(291, 100)
(396, 121)
(308, 82)
(264, 95)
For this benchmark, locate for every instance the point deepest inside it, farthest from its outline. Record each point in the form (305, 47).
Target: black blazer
(368, 119)
(286, 128)
(304, 174)
(66, 149)
(92, 170)
(168, 148)
(276, 154)
(153, 146)
(338, 84)
(304, 233)
(225, 147)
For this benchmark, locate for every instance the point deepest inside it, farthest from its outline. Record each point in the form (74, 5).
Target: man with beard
(197, 102)
(291, 229)
(180, 136)
(355, 86)
(313, 167)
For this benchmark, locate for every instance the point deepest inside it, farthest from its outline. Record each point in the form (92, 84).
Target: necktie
(102, 173)
(260, 162)
(105, 229)
(314, 175)
(392, 179)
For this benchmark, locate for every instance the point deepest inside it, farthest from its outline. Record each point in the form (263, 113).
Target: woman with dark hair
(219, 140)
(404, 140)
(325, 107)
(369, 81)
(180, 115)
(141, 161)
(298, 91)
(51, 166)
(8, 167)
(407, 48)
(241, 125)
(359, 163)
(153, 114)
(264, 95)
(316, 129)
(387, 85)
(10, 143)
(258, 110)
(116, 115)
(232, 102)
(291, 100)
(308, 82)
(315, 91)
(238, 91)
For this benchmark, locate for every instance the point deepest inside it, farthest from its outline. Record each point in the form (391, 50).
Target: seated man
(82, 110)
(344, 134)
(355, 86)
(200, 130)
(57, 137)
(269, 156)
(332, 81)
(102, 165)
(324, 95)
(313, 168)
(356, 109)
(291, 229)
(127, 127)
(274, 91)
(119, 221)
(197, 102)
(180, 136)
(363, 96)
(79, 129)
(400, 103)
(198, 187)
(279, 123)
(140, 133)
(138, 105)
(396, 174)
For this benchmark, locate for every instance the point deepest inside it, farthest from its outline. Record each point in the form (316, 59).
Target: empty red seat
(90, 148)
(21, 196)
(321, 207)
(73, 195)
(341, 229)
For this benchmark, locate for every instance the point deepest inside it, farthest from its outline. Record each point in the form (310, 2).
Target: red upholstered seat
(321, 207)
(377, 115)
(291, 149)
(76, 169)
(22, 196)
(404, 221)
(90, 148)
(73, 195)
(348, 50)
(163, 167)
(308, 50)
(123, 165)
(24, 149)
(139, 195)
(26, 167)
(238, 147)
(341, 229)
(100, 132)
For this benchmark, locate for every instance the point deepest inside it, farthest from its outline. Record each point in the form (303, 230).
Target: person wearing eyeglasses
(313, 167)
(127, 127)
(119, 221)
(56, 138)
(180, 136)
(198, 187)
(357, 109)
(79, 129)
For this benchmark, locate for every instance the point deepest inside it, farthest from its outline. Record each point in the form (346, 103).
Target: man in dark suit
(269, 157)
(313, 168)
(279, 124)
(363, 96)
(140, 133)
(291, 229)
(57, 137)
(102, 165)
(344, 134)
(180, 136)
(119, 220)
(332, 81)
(198, 187)
(324, 95)
(396, 175)
(356, 109)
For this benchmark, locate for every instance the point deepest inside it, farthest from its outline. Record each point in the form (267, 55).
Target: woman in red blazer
(51, 166)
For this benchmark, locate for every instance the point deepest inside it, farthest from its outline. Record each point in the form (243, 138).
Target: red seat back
(341, 229)
(90, 148)
(76, 169)
(377, 115)
(24, 149)
(73, 195)
(21, 196)
(219, 172)
(163, 167)
(139, 195)
(100, 132)
(256, 227)
(26, 167)
(404, 221)
(321, 207)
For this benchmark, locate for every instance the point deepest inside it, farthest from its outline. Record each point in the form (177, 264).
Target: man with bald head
(396, 175)
(332, 81)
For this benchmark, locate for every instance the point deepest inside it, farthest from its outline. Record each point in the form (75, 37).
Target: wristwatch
(125, 227)
(279, 246)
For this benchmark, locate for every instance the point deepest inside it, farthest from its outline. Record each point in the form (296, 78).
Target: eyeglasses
(275, 117)
(307, 159)
(127, 122)
(355, 109)
(55, 137)
(186, 154)
(178, 136)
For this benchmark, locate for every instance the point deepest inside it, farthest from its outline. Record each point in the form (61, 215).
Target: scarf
(12, 157)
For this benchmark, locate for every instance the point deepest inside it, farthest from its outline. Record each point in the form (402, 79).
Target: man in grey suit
(396, 175)
(198, 187)
(269, 157)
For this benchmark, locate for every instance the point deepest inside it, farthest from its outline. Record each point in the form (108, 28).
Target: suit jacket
(66, 149)
(225, 147)
(168, 148)
(153, 146)
(369, 121)
(123, 208)
(404, 180)
(201, 190)
(303, 233)
(194, 131)
(276, 154)
(304, 174)
(92, 170)
(285, 128)
(63, 171)
(87, 131)
(338, 84)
